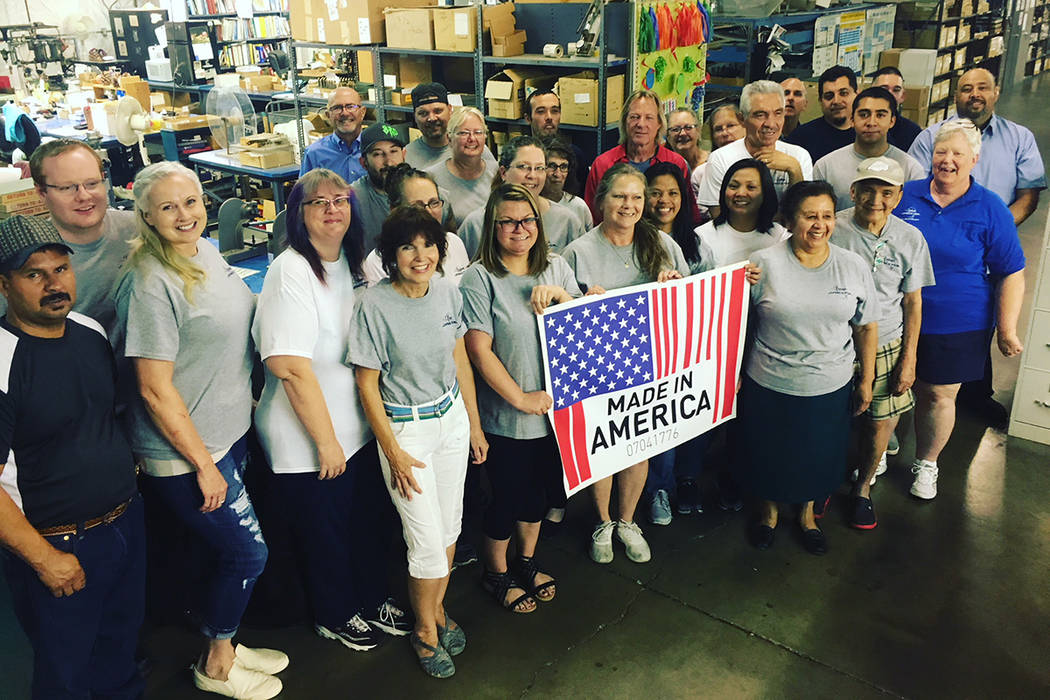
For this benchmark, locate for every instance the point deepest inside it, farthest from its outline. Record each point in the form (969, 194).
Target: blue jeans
(677, 464)
(661, 474)
(232, 531)
(84, 644)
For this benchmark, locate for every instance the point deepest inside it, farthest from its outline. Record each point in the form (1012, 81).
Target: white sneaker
(631, 536)
(660, 508)
(925, 482)
(240, 683)
(268, 661)
(879, 470)
(601, 543)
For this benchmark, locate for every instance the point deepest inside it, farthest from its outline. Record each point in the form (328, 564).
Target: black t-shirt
(903, 133)
(58, 430)
(820, 138)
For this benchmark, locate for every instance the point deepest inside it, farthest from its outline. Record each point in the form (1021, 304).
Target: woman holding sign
(513, 279)
(622, 251)
(813, 315)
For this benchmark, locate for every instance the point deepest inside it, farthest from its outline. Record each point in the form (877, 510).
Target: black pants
(518, 474)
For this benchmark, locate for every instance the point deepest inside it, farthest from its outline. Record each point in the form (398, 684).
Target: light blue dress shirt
(332, 152)
(1009, 159)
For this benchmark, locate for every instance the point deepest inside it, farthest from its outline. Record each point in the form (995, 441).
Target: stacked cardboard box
(20, 197)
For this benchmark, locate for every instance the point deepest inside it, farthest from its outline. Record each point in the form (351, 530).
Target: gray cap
(21, 236)
(882, 168)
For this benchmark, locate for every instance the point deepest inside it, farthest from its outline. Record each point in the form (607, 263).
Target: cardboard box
(506, 91)
(409, 28)
(413, 70)
(964, 33)
(579, 98)
(267, 157)
(455, 28)
(960, 58)
(919, 116)
(401, 97)
(916, 97)
(941, 89)
(343, 21)
(918, 66)
(509, 45)
(186, 121)
(948, 35)
(944, 64)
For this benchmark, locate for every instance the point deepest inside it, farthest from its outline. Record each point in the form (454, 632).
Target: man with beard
(543, 113)
(72, 539)
(834, 128)
(340, 151)
(904, 132)
(69, 178)
(432, 112)
(1009, 165)
(795, 103)
(874, 113)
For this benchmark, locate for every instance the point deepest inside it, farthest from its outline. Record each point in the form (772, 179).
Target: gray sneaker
(631, 536)
(660, 508)
(601, 543)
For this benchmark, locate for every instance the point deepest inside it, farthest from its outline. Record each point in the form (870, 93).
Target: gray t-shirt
(579, 208)
(423, 157)
(900, 260)
(374, 206)
(803, 343)
(499, 306)
(839, 168)
(97, 266)
(465, 195)
(209, 340)
(410, 341)
(596, 261)
(560, 225)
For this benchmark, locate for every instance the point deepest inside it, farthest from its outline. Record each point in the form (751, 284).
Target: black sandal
(526, 569)
(499, 584)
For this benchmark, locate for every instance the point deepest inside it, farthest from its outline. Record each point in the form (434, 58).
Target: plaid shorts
(883, 403)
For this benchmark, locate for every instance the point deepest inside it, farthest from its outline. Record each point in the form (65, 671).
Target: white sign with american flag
(639, 370)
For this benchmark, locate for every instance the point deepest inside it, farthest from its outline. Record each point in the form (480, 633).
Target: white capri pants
(432, 520)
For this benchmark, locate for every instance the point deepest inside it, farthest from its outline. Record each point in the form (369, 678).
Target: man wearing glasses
(340, 151)
(900, 263)
(69, 178)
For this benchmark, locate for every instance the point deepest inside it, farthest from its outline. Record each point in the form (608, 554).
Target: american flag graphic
(635, 337)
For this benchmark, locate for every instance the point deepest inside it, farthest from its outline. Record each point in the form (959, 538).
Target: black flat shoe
(761, 536)
(814, 541)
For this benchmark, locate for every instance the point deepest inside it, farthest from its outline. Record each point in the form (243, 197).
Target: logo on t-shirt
(840, 291)
(449, 320)
(911, 215)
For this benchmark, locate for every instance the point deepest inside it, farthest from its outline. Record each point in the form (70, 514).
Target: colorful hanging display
(671, 51)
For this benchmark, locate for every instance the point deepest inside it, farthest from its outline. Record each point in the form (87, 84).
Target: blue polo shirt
(972, 241)
(332, 152)
(1009, 159)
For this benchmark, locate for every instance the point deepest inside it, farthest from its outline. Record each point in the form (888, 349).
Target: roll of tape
(553, 50)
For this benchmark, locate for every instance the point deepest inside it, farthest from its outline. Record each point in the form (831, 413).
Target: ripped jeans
(232, 531)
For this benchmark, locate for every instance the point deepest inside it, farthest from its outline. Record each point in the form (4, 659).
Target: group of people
(399, 347)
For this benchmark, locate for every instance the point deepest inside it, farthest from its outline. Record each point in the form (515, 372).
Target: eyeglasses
(476, 133)
(90, 186)
(679, 129)
(432, 205)
(525, 168)
(509, 225)
(345, 108)
(322, 204)
(555, 167)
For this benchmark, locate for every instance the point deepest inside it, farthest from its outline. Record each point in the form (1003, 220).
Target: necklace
(616, 249)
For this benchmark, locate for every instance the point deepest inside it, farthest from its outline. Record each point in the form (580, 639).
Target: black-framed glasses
(509, 225)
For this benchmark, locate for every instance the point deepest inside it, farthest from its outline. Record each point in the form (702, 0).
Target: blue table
(220, 161)
(252, 270)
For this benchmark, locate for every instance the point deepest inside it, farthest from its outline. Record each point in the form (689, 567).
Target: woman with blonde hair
(183, 322)
(466, 176)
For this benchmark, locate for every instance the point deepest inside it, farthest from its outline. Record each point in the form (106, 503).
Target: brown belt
(88, 524)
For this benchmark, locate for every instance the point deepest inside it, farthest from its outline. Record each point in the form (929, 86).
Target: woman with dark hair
(310, 422)
(624, 250)
(813, 316)
(407, 185)
(663, 207)
(562, 182)
(747, 204)
(513, 279)
(417, 388)
(523, 161)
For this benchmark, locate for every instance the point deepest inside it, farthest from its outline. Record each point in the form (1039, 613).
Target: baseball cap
(425, 93)
(882, 168)
(21, 236)
(379, 132)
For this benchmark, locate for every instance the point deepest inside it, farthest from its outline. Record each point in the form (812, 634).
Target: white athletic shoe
(925, 483)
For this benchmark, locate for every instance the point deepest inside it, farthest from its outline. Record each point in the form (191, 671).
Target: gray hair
(759, 87)
(461, 114)
(960, 126)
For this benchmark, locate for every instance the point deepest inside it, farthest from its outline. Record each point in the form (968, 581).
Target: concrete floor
(944, 599)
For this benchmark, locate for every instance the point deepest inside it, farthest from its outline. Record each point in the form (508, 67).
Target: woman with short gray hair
(466, 176)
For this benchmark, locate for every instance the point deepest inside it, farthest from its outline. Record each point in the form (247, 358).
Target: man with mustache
(834, 128)
(71, 525)
(1009, 165)
(69, 178)
(340, 151)
(381, 149)
(432, 112)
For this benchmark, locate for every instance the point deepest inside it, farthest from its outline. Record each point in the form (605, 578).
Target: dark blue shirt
(972, 242)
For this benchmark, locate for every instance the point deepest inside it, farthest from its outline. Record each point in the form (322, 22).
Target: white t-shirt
(456, 262)
(698, 177)
(730, 246)
(720, 160)
(299, 316)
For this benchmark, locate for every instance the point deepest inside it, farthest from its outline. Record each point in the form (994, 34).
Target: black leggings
(518, 472)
